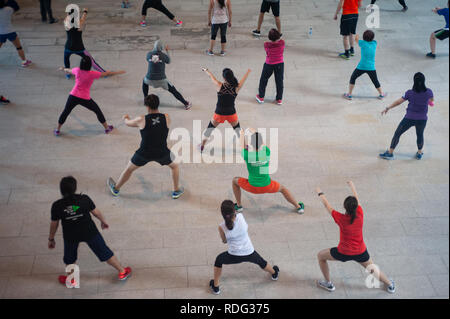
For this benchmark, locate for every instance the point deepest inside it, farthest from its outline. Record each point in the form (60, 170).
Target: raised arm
(244, 78)
(215, 81)
(338, 9)
(66, 70)
(83, 18)
(395, 104)
(324, 200)
(222, 235)
(136, 122)
(352, 187)
(13, 4)
(98, 214)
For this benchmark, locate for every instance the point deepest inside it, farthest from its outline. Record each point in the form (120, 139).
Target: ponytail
(228, 75)
(351, 205)
(419, 83)
(221, 3)
(228, 213)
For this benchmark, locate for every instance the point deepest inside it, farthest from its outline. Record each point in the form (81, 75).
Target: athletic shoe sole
(178, 195)
(259, 101)
(278, 274)
(110, 183)
(326, 288)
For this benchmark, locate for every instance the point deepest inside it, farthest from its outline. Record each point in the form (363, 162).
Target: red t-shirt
(351, 235)
(350, 7)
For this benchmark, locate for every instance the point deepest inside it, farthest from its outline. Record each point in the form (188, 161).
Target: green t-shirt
(258, 166)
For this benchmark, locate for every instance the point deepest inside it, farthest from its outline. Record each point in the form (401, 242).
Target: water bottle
(310, 32)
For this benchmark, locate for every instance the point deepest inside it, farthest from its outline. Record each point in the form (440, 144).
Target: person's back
(74, 40)
(157, 63)
(220, 14)
(351, 234)
(239, 243)
(258, 166)
(418, 104)
(83, 82)
(368, 52)
(226, 98)
(350, 7)
(5, 20)
(154, 136)
(275, 51)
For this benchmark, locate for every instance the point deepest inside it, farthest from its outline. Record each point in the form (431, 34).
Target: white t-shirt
(239, 243)
(5, 20)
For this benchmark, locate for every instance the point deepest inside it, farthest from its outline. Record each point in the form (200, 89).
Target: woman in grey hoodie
(156, 74)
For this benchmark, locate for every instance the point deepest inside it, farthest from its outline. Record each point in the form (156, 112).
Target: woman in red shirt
(351, 243)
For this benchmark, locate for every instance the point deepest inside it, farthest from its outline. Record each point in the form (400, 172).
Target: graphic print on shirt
(155, 121)
(156, 59)
(71, 212)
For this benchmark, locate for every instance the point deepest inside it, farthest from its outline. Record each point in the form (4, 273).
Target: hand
(318, 190)
(241, 132)
(229, 24)
(166, 47)
(126, 117)
(350, 183)
(385, 111)
(248, 71)
(335, 17)
(121, 72)
(51, 244)
(209, 23)
(104, 225)
(61, 68)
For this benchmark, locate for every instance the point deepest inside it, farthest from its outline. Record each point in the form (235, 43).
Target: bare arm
(51, 237)
(83, 18)
(210, 9)
(395, 104)
(111, 73)
(168, 121)
(215, 81)
(241, 83)
(230, 13)
(65, 70)
(98, 214)
(136, 122)
(324, 200)
(352, 187)
(222, 235)
(339, 8)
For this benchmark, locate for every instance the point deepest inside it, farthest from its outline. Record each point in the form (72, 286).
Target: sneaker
(344, 56)
(260, 100)
(431, 55)
(143, 23)
(279, 102)
(326, 285)
(109, 129)
(209, 52)
(419, 156)
(4, 100)
(382, 96)
(179, 23)
(215, 290)
(188, 106)
(56, 132)
(111, 184)
(277, 272)
(347, 96)
(124, 275)
(26, 63)
(223, 53)
(68, 76)
(352, 52)
(256, 33)
(387, 155)
(405, 9)
(62, 280)
(53, 21)
(301, 209)
(391, 288)
(238, 208)
(178, 193)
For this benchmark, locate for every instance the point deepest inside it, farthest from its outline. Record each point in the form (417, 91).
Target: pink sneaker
(179, 23)
(143, 23)
(260, 100)
(279, 102)
(109, 129)
(56, 132)
(26, 63)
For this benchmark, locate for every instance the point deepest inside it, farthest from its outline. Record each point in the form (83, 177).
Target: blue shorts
(9, 36)
(96, 244)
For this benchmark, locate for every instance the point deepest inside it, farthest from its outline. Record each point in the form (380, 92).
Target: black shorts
(228, 259)
(362, 258)
(96, 244)
(140, 160)
(441, 34)
(265, 7)
(348, 24)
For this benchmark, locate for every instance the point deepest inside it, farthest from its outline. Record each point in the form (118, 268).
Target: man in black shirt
(74, 211)
(154, 128)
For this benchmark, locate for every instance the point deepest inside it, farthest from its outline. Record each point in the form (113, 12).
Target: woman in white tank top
(234, 232)
(219, 17)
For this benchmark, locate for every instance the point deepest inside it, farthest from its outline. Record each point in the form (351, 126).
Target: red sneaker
(260, 100)
(124, 275)
(62, 280)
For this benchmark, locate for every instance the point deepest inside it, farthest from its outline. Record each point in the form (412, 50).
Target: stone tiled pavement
(323, 140)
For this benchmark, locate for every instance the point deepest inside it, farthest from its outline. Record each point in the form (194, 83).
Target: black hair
(419, 83)
(152, 101)
(350, 205)
(368, 36)
(2, 4)
(228, 75)
(68, 186)
(274, 35)
(86, 63)
(228, 212)
(256, 140)
(221, 3)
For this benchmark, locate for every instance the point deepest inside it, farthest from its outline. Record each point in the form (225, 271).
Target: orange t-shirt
(350, 7)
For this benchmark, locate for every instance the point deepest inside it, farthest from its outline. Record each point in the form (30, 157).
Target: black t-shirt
(74, 40)
(75, 216)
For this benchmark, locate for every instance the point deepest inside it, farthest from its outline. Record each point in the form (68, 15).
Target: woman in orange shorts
(225, 108)
(259, 181)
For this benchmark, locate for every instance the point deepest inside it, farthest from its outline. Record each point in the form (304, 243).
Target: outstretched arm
(110, 73)
(395, 104)
(65, 70)
(83, 18)
(215, 81)
(241, 83)
(352, 187)
(324, 200)
(136, 122)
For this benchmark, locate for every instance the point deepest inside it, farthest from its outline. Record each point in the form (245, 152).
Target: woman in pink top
(274, 64)
(81, 93)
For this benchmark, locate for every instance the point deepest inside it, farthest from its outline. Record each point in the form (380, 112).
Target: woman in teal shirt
(366, 65)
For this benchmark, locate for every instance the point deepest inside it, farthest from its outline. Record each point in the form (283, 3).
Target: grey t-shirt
(157, 65)
(5, 20)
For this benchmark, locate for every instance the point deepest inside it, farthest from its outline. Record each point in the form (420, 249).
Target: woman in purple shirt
(416, 114)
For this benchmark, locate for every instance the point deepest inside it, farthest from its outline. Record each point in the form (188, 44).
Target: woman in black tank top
(74, 43)
(225, 108)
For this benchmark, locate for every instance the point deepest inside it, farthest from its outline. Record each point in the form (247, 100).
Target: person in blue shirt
(440, 34)
(367, 64)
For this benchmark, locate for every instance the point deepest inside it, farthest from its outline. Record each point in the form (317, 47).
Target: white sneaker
(326, 285)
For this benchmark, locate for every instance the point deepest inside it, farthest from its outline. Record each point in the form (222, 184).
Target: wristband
(320, 194)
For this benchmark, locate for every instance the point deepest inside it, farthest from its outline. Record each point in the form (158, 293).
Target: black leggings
(73, 101)
(46, 9)
(372, 74)
(223, 32)
(405, 125)
(156, 4)
(402, 3)
(211, 127)
(267, 72)
(227, 259)
(172, 90)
